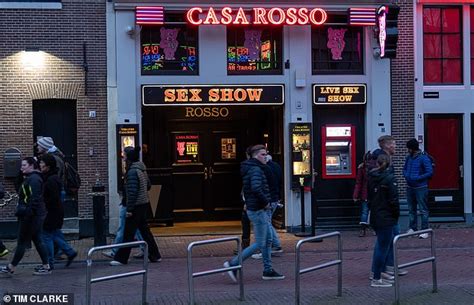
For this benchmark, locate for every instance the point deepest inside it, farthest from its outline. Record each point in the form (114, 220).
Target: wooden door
(444, 141)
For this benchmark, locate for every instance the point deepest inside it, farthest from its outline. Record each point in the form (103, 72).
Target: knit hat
(132, 153)
(413, 144)
(46, 143)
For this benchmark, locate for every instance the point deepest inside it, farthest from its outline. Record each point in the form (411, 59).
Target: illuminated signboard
(218, 95)
(339, 94)
(256, 16)
(186, 148)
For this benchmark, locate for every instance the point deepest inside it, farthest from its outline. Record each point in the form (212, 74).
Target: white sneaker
(109, 254)
(257, 255)
(410, 231)
(232, 273)
(385, 276)
(380, 283)
(115, 263)
(390, 270)
(424, 236)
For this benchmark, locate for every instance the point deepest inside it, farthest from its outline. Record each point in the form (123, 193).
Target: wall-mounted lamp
(130, 30)
(32, 58)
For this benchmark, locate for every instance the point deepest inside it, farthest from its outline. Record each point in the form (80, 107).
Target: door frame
(456, 211)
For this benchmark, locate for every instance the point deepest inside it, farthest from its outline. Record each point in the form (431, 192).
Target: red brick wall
(60, 34)
(403, 87)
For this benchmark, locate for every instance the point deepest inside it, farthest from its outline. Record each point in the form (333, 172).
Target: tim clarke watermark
(38, 298)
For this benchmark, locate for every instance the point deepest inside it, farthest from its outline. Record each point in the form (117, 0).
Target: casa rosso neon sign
(256, 16)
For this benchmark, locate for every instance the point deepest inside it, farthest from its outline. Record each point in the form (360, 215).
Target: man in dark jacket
(257, 200)
(137, 203)
(417, 171)
(53, 223)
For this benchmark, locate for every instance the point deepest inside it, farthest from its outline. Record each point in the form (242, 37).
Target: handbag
(23, 210)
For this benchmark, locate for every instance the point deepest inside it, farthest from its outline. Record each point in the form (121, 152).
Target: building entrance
(194, 155)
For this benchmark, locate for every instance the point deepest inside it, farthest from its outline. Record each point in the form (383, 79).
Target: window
(30, 4)
(442, 45)
(472, 45)
(169, 49)
(337, 50)
(254, 50)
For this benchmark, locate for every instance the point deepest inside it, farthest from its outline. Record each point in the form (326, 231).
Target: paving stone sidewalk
(167, 281)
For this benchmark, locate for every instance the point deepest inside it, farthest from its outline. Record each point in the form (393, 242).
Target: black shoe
(70, 259)
(42, 271)
(5, 271)
(272, 275)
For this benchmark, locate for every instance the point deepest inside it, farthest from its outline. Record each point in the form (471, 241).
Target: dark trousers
(245, 226)
(2, 246)
(132, 223)
(30, 229)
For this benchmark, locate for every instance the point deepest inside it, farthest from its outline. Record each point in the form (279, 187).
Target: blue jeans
(275, 239)
(56, 237)
(382, 249)
(263, 239)
(418, 197)
(364, 212)
(389, 260)
(121, 229)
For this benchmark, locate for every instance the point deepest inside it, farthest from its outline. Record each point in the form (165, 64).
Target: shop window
(254, 50)
(337, 50)
(169, 49)
(442, 45)
(472, 45)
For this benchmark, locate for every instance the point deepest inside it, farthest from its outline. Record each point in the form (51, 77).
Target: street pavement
(168, 284)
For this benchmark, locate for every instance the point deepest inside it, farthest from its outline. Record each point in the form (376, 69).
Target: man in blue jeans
(417, 171)
(257, 201)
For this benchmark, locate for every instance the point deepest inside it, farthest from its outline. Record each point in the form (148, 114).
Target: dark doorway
(56, 118)
(444, 141)
(333, 197)
(195, 155)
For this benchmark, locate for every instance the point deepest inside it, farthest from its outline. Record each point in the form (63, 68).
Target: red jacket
(360, 189)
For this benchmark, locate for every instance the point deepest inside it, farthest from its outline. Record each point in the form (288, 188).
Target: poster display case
(127, 135)
(300, 141)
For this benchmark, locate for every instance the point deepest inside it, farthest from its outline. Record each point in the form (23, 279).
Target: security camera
(130, 30)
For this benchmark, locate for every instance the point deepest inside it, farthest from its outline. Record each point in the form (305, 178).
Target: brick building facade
(53, 59)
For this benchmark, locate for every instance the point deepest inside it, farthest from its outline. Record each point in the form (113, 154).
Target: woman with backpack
(31, 212)
(385, 210)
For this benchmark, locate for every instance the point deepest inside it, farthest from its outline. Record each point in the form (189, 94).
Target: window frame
(442, 34)
(172, 23)
(324, 28)
(279, 51)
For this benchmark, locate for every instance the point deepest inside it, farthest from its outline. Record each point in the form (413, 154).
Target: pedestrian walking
(31, 212)
(3, 249)
(274, 177)
(385, 210)
(257, 200)
(417, 171)
(136, 186)
(52, 234)
(244, 219)
(360, 195)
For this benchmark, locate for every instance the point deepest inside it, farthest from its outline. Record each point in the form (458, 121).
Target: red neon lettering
(226, 15)
(259, 14)
(211, 17)
(282, 15)
(312, 16)
(291, 17)
(189, 15)
(241, 18)
(303, 16)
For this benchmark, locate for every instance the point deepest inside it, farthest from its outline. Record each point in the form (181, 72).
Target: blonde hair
(383, 161)
(384, 140)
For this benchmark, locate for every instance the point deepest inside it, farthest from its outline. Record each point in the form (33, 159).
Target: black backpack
(72, 181)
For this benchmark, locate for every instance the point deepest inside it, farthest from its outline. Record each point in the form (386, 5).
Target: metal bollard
(98, 206)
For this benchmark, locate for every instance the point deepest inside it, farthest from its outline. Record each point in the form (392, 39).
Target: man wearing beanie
(417, 171)
(46, 145)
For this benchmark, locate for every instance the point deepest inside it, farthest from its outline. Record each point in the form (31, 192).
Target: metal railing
(338, 262)
(9, 197)
(192, 275)
(431, 259)
(143, 272)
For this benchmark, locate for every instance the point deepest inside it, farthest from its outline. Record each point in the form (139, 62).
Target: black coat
(52, 199)
(31, 193)
(274, 177)
(255, 184)
(383, 198)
